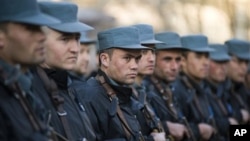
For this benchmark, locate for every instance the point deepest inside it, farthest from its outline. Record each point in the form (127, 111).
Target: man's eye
(144, 52)
(78, 38)
(178, 59)
(167, 59)
(65, 39)
(34, 28)
(137, 59)
(127, 58)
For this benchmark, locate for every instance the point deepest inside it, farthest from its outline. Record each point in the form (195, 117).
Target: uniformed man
(21, 46)
(65, 111)
(78, 73)
(219, 97)
(237, 70)
(146, 67)
(190, 88)
(108, 95)
(80, 69)
(159, 87)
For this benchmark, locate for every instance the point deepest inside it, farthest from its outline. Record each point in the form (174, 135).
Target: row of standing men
(148, 87)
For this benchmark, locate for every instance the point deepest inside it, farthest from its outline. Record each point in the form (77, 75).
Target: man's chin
(129, 82)
(171, 78)
(146, 73)
(68, 67)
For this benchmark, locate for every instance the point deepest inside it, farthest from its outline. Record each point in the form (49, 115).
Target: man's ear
(183, 61)
(105, 59)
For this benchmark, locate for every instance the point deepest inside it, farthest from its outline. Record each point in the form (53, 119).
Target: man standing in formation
(218, 95)
(190, 89)
(64, 112)
(21, 46)
(162, 87)
(159, 87)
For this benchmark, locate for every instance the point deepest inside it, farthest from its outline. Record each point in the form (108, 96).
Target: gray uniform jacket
(102, 111)
(77, 118)
(15, 125)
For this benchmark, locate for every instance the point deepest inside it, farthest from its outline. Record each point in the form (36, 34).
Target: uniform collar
(14, 74)
(59, 76)
(199, 87)
(75, 77)
(10, 73)
(122, 92)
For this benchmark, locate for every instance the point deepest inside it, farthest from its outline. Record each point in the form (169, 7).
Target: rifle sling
(111, 94)
(27, 108)
(166, 96)
(167, 93)
(239, 99)
(147, 112)
(56, 99)
(18, 93)
(222, 107)
(196, 101)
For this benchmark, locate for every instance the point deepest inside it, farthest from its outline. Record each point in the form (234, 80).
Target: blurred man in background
(237, 70)
(21, 46)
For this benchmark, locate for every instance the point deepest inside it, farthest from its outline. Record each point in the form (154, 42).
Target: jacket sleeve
(195, 129)
(222, 125)
(90, 110)
(3, 129)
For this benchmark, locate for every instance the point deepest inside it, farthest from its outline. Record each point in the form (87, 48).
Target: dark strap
(196, 101)
(239, 99)
(221, 105)
(56, 99)
(197, 105)
(20, 95)
(112, 95)
(167, 96)
(141, 97)
(148, 113)
(27, 108)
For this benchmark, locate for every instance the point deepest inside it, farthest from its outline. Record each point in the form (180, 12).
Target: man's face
(196, 65)
(82, 60)
(122, 67)
(22, 44)
(147, 62)
(168, 64)
(237, 69)
(62, 49)
(218, 71)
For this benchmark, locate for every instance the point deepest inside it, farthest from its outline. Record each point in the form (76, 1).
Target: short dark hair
(108, 51)
(185, 54)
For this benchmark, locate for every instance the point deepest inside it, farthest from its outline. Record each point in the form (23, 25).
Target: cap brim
(38, 19)
(245, 56)
(135, 46)
(220, 57)
(73, 27)
(151, 41)
(85, 39)
(162, 47)
(89, 41)
(201, 49)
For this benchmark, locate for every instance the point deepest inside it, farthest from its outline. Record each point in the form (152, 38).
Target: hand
(178, 131)
(245, 115)
(233, 121)
(206, 130)
(159, 136)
